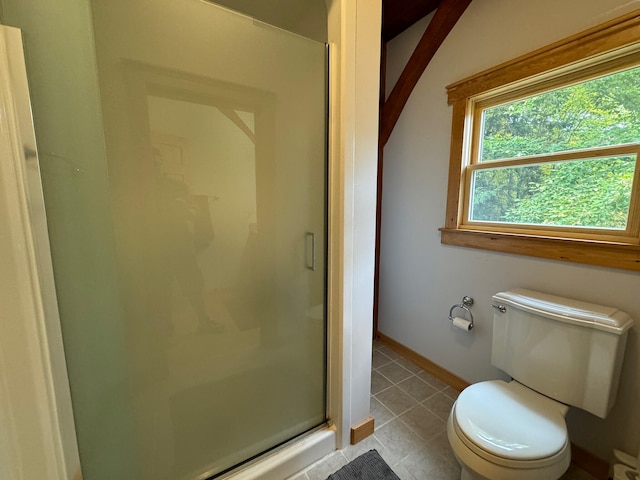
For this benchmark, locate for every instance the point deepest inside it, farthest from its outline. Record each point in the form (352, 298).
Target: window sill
(604, 254)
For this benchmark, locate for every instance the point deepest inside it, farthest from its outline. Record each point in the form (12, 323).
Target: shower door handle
(310, 251)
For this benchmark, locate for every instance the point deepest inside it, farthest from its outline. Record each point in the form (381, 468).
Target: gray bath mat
(368, 466)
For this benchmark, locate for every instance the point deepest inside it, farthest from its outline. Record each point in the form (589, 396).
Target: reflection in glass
(204, 164)
(242, 347)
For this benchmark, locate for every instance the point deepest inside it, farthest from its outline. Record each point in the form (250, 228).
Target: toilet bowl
(505, 431)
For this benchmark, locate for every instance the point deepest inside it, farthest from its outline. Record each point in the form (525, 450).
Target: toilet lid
(511, 421)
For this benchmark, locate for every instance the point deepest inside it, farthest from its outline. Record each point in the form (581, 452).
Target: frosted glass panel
(199, 342)
(215, 133)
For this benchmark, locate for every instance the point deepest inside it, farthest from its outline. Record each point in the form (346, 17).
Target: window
(544, 157)
(560, 161)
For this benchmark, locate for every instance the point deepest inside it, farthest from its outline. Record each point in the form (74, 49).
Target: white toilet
(560, 353)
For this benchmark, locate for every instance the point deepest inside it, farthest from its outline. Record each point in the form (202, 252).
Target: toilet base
(502, 474)
(468, 475)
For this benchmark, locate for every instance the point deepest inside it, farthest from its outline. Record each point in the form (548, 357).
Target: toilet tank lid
(567, 310)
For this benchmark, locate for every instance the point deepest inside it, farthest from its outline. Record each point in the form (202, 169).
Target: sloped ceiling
(398, 15)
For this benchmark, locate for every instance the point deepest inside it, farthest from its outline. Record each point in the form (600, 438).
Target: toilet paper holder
(466, 303)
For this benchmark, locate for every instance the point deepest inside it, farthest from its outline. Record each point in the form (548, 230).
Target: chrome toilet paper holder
(466, 303)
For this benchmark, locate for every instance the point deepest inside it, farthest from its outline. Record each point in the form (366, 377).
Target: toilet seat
(510, 425)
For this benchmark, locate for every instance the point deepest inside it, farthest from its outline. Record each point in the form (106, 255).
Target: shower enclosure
(187, 219)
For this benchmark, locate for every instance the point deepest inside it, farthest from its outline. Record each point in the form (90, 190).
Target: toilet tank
(566, 349)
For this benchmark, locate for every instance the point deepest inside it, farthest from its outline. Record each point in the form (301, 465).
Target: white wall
(420, 278)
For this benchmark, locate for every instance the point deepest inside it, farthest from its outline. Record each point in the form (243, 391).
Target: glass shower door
(198, 342)
(215, 133)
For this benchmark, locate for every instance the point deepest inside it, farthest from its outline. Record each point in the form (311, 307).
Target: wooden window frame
(582, 55)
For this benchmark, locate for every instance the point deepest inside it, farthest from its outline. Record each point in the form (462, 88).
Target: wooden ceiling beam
(441, 24)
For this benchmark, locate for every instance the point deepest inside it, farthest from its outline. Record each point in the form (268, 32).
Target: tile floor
(410, 407)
